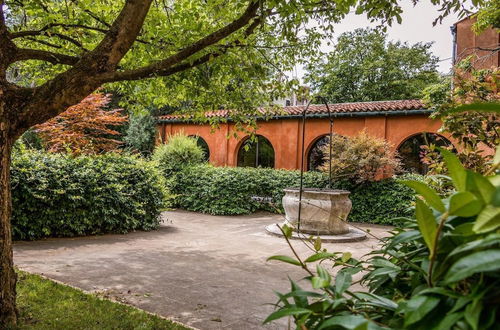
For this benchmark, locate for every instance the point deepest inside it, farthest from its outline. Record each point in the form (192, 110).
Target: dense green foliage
(44, 304)
(179, 151)
(364, 66)
(237, 190)
(440, 270)
(238, 75)
(57, 195)
(474, 133)
(141, 133)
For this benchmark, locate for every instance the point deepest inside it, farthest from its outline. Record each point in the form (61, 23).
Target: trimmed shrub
(361, 158)
(57, 195)
(178, 152)
(233, 190)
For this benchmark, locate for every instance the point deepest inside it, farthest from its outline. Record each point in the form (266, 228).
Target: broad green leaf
(464, 204)
(323, 273)
(342, 282)
(426, 223)
(286, 312)
(473, 312)
(478, 262)
(480, 186)
(456, 170)
(286, 259)
(346, 256)
(319, 256)
(487, 220)
(300, 293)
(495, 200)
(404, 237)
(429, 194)
(418, 307)
(376, 300)
(350, 322)
(449, 321)
(318, 282)
(483, 243)
(490, 107)
(464, 229)
(317, 244)
(287, 230)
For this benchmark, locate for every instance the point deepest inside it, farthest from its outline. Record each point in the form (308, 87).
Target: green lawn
(44, 304)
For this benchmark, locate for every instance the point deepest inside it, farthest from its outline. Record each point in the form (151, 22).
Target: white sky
(415, 27)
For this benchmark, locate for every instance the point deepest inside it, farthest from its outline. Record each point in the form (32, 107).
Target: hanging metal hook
(304, 113)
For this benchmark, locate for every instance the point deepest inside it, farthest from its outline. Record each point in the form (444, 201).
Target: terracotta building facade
(404, 124)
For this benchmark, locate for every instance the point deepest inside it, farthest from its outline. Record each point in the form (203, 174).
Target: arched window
(257, 152)
(316, 154)
(203, 145)
(411, 150)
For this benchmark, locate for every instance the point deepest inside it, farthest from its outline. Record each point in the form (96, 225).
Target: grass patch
(44, 304)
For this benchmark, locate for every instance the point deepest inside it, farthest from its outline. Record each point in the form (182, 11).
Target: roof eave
(324, 115)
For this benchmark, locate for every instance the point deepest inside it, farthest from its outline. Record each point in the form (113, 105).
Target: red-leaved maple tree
(85, 128)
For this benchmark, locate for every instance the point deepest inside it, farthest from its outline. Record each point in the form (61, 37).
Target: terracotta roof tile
(374, 106)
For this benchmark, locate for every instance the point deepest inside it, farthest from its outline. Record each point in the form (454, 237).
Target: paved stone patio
(209, 272)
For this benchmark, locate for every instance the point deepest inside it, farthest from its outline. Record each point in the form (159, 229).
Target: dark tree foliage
(365, 66)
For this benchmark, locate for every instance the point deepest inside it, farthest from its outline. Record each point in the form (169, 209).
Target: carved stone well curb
(323, 213)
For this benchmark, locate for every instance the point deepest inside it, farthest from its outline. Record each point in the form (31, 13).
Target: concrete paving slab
(206, 271)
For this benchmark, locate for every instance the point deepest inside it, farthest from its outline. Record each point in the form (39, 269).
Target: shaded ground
(209, 272)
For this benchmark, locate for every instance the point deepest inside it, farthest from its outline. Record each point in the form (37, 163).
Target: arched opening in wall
(203, 145)
(316, 154)
(257, 152)
(411, 150)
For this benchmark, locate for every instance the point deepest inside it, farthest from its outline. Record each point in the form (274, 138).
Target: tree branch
(54, 58)
(168, 66)
(21, 34)
(7, 47)
(71, 86)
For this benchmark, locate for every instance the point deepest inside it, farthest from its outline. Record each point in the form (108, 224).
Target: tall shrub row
(58, 195)
(230, 191)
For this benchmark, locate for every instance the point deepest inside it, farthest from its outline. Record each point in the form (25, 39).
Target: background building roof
(397, 107)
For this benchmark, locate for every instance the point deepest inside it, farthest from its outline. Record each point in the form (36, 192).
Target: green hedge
(57, 195)
(229, 191)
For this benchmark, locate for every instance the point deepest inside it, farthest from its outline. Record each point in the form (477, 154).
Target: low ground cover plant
(60, 195)
(439, 270)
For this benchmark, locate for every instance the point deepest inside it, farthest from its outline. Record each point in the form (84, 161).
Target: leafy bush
(438, 271)
(57, 195)
(360, 158)
(178, 152)
(232, 190)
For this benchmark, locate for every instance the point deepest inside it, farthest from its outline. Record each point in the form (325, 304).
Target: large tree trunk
(8, 311)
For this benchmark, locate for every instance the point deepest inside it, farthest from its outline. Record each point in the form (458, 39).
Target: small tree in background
(141, 133)
(360, 158)
(85, 128)
(365, 66)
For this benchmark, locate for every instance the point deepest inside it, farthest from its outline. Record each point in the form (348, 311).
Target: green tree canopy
(365, 66)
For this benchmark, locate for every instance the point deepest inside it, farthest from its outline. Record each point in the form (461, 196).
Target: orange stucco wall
(469, 43)
(285, 135)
